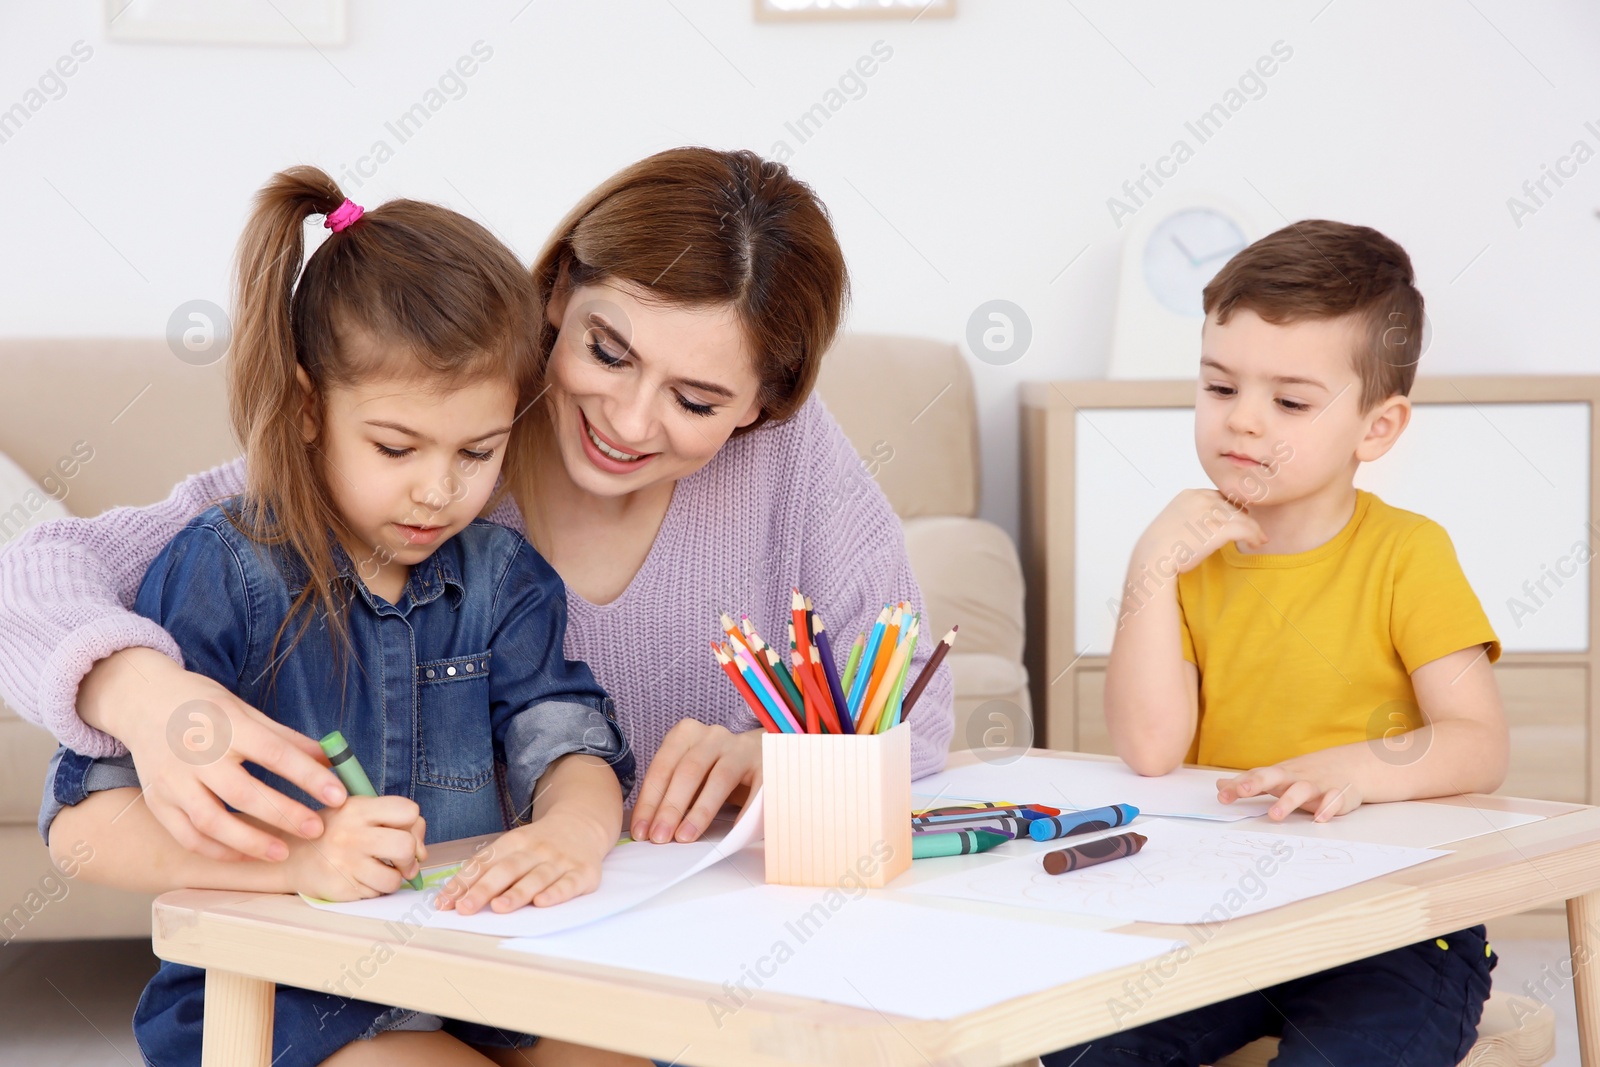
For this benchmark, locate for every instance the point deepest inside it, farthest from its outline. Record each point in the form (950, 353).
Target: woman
(683, 469)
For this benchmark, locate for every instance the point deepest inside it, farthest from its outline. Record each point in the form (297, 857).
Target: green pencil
(354, 777)
(891, 710)
(853, 662)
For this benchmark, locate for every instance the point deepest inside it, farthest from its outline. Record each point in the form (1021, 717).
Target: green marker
(960, 843)
(354, 777)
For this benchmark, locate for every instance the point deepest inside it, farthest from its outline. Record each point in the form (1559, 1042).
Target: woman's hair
(695, 227)
(409, 290)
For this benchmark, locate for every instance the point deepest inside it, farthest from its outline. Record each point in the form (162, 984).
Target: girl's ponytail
(284, 499)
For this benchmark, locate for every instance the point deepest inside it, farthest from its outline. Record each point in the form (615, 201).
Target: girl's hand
(371, 847)
(696, 770)
(548, 861)
(1297, 783)
(190, 739)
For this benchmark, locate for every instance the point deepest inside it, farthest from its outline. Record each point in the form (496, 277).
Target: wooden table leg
(1583, 933)
(238, 1021)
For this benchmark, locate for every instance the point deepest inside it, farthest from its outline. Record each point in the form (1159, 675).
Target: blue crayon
(1069, 823)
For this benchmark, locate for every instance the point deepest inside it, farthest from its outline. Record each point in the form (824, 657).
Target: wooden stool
(1514, 1032)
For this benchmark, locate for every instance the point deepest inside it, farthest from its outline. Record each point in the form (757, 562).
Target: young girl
(353, 587)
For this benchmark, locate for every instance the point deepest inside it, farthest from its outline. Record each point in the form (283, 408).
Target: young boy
(1290, 623)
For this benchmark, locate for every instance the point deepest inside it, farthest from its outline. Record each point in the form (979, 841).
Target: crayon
(1083, 822)
(1014, 825)
(354, 777)
(1024, 814)
(1092, 852)
(961, 843)
(984, 805)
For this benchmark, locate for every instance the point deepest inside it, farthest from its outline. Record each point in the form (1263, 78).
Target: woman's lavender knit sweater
(786, 505)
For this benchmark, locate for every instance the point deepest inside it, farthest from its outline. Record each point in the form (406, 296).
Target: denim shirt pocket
(456, 732)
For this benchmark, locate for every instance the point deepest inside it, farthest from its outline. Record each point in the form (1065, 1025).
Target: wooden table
(248, 942)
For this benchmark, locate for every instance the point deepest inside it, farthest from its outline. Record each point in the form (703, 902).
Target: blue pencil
(1082, 822)
(781, 717)
(858, 686)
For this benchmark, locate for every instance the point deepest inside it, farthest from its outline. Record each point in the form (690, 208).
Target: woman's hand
(696, 770)
(372, 845)
(190, 739)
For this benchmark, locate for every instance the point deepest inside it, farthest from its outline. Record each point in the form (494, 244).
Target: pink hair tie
(340, 218)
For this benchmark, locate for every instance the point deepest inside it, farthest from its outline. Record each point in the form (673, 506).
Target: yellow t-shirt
(1303, 652)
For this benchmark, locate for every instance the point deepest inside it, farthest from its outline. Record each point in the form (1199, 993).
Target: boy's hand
(549, 861)
(1305, 782)
(1200, 521)
(353, 857)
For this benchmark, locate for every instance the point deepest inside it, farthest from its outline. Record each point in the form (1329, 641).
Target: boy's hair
(442, 301)
(1316, 269)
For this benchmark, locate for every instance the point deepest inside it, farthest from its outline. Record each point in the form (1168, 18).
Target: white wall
(976, 164)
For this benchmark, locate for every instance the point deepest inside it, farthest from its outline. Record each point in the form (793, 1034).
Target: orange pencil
(880, 699)
(880, 664)
(734, 636)
(744, 689)
(815, 694)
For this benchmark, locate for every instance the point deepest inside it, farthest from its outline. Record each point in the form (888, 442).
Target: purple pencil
(831, 671)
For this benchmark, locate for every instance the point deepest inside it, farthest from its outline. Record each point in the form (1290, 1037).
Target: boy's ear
(1385, 424)
(308, 406)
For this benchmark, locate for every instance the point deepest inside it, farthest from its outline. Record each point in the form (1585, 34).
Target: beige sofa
(146, 419)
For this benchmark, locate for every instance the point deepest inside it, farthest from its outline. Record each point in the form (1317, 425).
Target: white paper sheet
(1186, 793)
(854, 949)
(1413, 823)
(632, 873)
(1188, 872)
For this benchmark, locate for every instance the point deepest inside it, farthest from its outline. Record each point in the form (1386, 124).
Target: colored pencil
(756, 707)
(858, 687)
(830, 671)
(830, 711)
(735, 638)
(891, 707)
(886, 651)
(786, 684)
(815, 697)
(927, 672)
(802, 634)
(874, 710)
(758, 648)
(767, 691)
(851, 662)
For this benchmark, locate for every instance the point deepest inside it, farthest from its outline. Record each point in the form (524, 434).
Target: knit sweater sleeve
(853, 561)
(66, 596)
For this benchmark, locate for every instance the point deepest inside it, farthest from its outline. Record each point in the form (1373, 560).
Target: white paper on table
(1188, 872)
(631, 874)
(1413, 823)
(859, 950)
(1185, 793)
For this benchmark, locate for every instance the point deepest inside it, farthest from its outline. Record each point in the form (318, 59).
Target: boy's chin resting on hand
(1307, 783)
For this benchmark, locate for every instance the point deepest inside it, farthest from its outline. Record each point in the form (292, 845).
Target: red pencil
(814, 699)
(744, 689)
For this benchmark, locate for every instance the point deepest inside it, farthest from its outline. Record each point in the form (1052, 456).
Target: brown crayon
(1090, 853)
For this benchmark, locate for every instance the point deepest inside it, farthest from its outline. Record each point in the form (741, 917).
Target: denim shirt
(458, 696)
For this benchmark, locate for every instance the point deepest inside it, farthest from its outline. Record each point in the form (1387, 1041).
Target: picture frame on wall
(822, 10)
(318, 23)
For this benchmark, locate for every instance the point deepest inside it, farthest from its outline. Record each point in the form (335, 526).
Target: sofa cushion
(907, 406)
(24, 502)
(969, 574)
